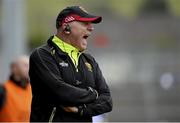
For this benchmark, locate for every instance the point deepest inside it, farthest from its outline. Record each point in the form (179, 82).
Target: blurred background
(137, 47)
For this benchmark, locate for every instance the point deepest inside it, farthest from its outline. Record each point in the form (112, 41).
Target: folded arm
(43, 66)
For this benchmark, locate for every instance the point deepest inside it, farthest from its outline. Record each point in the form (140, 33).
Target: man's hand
(71, 109)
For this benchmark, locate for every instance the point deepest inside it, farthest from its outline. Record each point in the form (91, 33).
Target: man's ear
(63, 26)
(66, 28)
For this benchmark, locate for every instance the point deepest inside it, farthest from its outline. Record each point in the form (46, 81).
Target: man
(67, 83)
(15, 94)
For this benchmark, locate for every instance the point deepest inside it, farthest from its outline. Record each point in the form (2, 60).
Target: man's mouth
(86, 36)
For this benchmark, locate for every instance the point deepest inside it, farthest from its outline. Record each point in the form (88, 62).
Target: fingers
(71, 109)
(94, 91)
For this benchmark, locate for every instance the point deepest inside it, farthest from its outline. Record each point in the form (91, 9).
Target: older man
(67, 83)
(15, 94)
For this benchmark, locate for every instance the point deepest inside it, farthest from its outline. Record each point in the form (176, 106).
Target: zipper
(75, 63)
(52, 115)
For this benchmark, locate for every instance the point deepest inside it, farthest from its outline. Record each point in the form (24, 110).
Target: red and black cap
(76, 13)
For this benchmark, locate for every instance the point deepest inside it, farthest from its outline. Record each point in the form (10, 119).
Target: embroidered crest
(82, 9)
(89, 67)
(63, 64)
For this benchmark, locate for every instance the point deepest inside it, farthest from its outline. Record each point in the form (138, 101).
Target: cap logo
(69, 18)
(83, 9)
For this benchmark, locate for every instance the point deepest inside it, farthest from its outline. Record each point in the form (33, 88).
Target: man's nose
(90, 27)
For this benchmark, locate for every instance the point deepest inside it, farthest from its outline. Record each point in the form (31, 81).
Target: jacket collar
(65, 47)
(54, 46)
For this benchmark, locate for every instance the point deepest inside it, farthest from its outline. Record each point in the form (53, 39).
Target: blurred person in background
(67, 83)
(15, 93)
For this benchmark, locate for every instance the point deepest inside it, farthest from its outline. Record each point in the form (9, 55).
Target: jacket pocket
(52, 115)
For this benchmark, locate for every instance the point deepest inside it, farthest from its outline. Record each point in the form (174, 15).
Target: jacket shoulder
(41, 49)
(89, 56)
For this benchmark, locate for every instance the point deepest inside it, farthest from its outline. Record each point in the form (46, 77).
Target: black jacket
(2, 96)
(56, 83)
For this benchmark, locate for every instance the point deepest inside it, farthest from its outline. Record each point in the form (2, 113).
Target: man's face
(24, 68)
(20, 69)
(80, 31)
